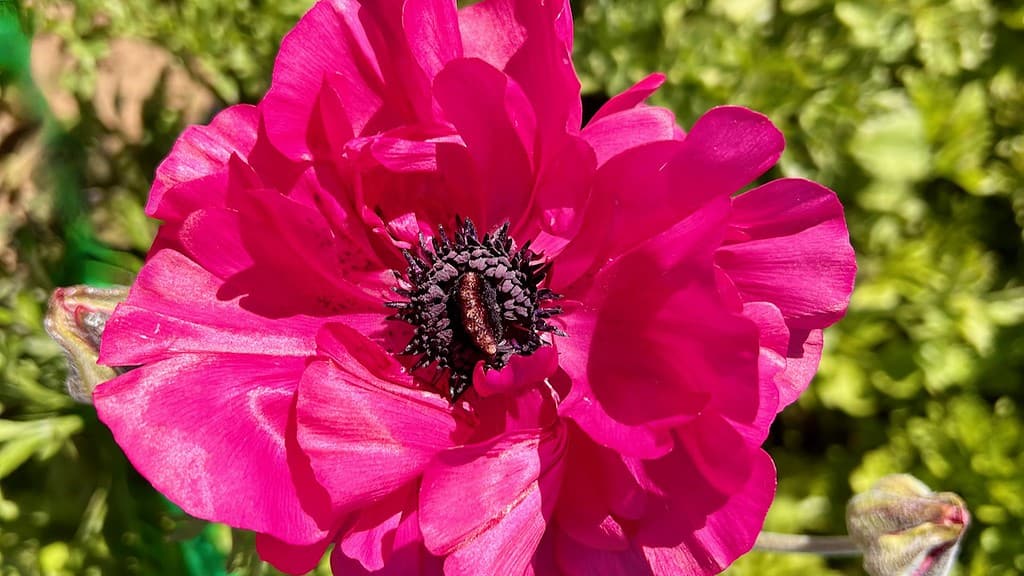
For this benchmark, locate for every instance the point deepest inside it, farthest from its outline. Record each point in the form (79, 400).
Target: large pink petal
(201, 152)
(621, 131)
(486, 505)
(432, 31)
(209, 432)
(790, 247)
(532, 43)
(597, 494)
(173, 308)
(284, 259)
(727, 148)
(618, 216)
(407, 555)
(329, 42)
(726, 533)
(497, 123)
(661, 359)
(352, 418)
(562, 190)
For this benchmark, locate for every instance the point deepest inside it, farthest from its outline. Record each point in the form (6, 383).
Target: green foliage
(912, 111)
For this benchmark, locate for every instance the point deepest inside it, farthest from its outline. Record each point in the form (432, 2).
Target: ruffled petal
(407, 555)
(727, 148)
(727, 532)
(660, 360)
(621, 131)
(354, 413)
(173, 308)
(532, 43)
(329, 43)
(184, 421)
(631, 97)
(497, 123)
(201, 153)
(790, 246)
(485, 505)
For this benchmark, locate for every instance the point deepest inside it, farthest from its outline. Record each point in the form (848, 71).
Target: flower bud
(76, 319)
(905, 529)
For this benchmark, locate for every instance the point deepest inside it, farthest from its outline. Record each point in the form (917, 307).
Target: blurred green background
(912, 110)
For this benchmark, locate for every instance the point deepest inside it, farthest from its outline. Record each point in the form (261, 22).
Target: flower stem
(801, 543)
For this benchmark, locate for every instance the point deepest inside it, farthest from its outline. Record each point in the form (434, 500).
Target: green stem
(803, 544)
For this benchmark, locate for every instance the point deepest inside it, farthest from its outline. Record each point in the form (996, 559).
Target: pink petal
(726, 533)
(802, 359)
(657, 361)
(618, 216)
(726, 149)
(562, 190)
(330, 41)
(521, 372)
(289, 558)
(201, 152)
(173, 308)
(184, 422)
(351, 419)
(597, 489)
(415, 182)
(794, 251)
(632, 97)
(719, 452)
(621, 131)
(532, 43)
(485, 505)
(788, 362)
(576, 558)
(284, 259)
(408, 556)
(432, 31)
(369, 540)
(496, 121)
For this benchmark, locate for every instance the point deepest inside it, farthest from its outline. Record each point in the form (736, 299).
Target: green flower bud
(76, 319)
(905, 529)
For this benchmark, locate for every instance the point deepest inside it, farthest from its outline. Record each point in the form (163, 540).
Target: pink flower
(344, 336)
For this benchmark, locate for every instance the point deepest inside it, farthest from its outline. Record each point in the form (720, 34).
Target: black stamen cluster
(473, 299)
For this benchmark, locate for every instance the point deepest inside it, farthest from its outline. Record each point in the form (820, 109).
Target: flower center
(473, 299)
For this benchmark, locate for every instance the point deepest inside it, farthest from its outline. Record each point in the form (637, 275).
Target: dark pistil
(473, 299)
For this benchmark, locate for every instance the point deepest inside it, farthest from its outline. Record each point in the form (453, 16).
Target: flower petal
(289, 558)
(621, 131)
(485, 505)
(532, 43)
(521, 372)
(201, 152)
(793, 250)
(631, 97)
(173, 308)
(727, 148)
(497, 123)
(662, 359)
(183, 421)
(728, 532)
(329, 42)
(408, 556)
(351, 417)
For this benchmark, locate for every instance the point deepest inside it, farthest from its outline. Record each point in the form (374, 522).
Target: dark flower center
(473, 299)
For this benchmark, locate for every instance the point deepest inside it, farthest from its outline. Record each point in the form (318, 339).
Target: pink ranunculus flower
(407, 306)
